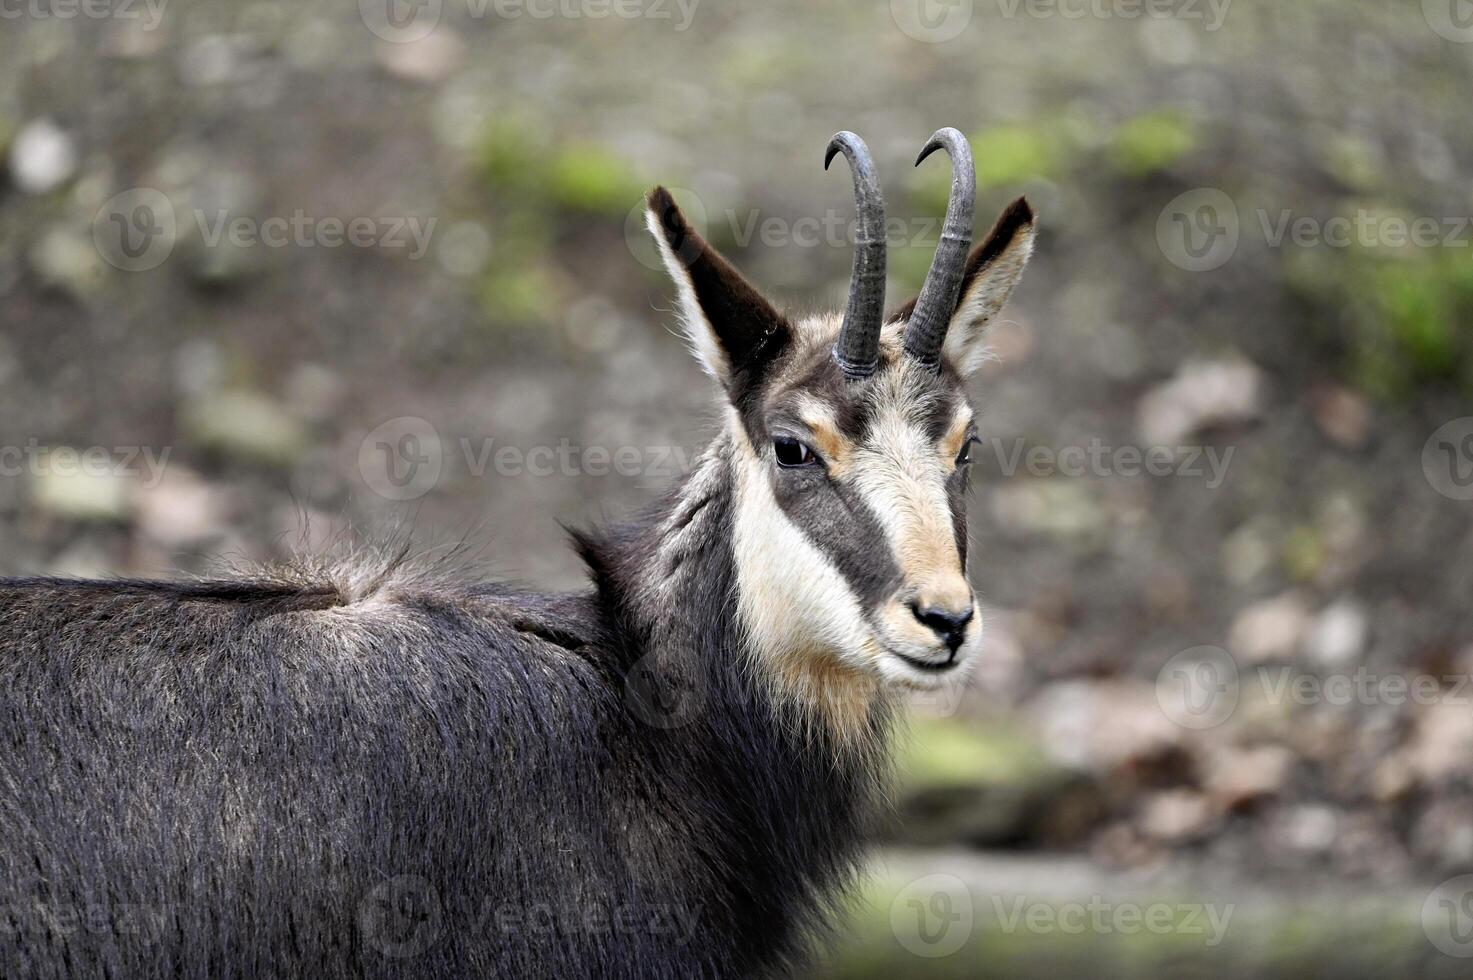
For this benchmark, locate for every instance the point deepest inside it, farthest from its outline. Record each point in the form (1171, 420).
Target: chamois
(369, 770)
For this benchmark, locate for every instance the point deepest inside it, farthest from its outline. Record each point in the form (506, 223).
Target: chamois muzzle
(858, 347)
(937, 301)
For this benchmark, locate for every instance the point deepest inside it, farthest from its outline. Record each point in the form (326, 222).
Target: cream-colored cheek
(902, 626)
(804, 626)
(792, 601)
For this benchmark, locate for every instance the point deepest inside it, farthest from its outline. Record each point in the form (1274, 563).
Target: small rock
(181, 509)
(1441, 745)
(42, 158)
(130, 39)
(1309, 829)
(1239, 776)
(1175, 815)
(1100, 725)
(67, 261)
(1392, 779)
(432, 58)
(64, 487)
(214, 254)
(1338, 636)
(1201, 395)
(1270, 629)
(213, 59)
(245, 424)
(1342, 415)
(465, 248)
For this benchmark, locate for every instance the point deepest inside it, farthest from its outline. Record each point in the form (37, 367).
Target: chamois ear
(993, 269)
(733, 330)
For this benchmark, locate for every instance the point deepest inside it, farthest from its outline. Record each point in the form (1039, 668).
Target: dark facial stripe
(843, 528)
(956, 495)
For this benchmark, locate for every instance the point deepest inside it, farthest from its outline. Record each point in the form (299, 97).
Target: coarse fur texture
(369, 769)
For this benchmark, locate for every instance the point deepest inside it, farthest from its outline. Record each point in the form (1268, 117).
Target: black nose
(948, 624)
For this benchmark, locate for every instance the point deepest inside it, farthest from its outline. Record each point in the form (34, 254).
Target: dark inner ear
(1015, 216)
(749, 329)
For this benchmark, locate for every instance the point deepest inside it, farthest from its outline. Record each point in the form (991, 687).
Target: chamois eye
(964, 457)
(791, 452)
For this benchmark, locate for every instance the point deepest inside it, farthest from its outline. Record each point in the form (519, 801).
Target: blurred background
(278, 275)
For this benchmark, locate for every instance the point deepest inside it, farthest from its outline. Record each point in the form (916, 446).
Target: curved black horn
(937, 302)
(858, 347)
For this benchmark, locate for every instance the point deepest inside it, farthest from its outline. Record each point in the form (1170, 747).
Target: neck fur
(794, 782)
(668, 582)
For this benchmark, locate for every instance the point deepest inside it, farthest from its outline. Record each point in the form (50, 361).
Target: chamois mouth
(930, 666)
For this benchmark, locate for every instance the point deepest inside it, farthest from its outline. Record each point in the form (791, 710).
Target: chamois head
(850, 438)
